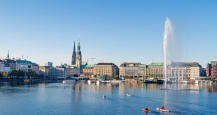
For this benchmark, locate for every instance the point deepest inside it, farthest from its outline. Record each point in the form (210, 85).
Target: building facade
(27, 66)
(211, 69)
(72, 71)
(43, 70)
(88, 71)
(9, 65)
(2, 66)
(132, 70)
(110, 70)
(35, 68)
(184, 71)
(155, 70)
(52, 72)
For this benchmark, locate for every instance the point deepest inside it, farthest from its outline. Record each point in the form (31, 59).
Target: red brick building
(211, 69)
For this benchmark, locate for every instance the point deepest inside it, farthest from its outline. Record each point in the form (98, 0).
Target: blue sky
(109, 30)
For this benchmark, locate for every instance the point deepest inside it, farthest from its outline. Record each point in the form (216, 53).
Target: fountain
(167, 46)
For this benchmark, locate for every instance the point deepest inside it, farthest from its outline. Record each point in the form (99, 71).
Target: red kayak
(163, 110)
(144, 110)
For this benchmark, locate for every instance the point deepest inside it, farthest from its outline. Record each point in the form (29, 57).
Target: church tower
(74, 55)
(8, 57)
(79, 58)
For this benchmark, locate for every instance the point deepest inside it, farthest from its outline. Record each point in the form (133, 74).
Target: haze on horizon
(109, 30)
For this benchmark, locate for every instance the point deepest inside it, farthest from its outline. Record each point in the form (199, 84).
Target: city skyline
(110, 57)
(132, 33)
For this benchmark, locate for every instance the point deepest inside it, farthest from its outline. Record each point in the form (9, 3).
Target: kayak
(148, 111)
(163, 110)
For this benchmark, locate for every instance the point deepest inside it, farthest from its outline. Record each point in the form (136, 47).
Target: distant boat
(160, 81)
(97, 82)
(148, 81)
(64, 81)
(154, 81)
(105, 81)
(128, 94)
(103, 97)
(91, 81)
(185, 82)
(26, 80)
(162, 110)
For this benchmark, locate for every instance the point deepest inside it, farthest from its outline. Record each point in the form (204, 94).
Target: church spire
(79, 58)
(8, 57)
(74, 55)
(74, 47)
(79, 47)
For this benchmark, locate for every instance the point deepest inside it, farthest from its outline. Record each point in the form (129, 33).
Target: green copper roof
(156, 64)
(142, 65)
(89, 66)
(214, 63)
(24, 62)
(83, 65)
(71, 66)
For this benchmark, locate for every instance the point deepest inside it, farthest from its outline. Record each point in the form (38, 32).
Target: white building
(195, 72)
(7, 65)
(184, 71)
(27, 66)
(2, 66)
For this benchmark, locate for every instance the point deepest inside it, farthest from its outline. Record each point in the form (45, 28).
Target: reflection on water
(106, 98)
(212, 88)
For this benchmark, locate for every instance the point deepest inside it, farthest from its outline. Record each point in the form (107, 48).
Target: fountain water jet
(167, 38)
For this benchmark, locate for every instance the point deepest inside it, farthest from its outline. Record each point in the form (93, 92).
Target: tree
(101, 77)
(17, 73)
(20, 73)
(4, 74)
(32, 74)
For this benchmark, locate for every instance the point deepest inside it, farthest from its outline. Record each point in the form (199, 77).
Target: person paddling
(162, 107)
(146, 109)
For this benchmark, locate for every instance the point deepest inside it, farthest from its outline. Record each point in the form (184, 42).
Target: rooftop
(185, 64)
(23, 61)
(105, 64)
(156, 64)
(126, 64)
(214, 63)
(142, 65)
(89, 66)
(19, 61)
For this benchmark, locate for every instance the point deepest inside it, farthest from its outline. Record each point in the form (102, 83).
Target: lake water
(80, 98)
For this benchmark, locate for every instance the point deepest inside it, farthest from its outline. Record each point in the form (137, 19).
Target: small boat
(103, 97)
(128, 94)
(97, 82)
(163, 110)
(91, 81)
(145, 110)
(64, 81)
(148, 81)
(26, 80)
(185, 82)
(160, 81)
